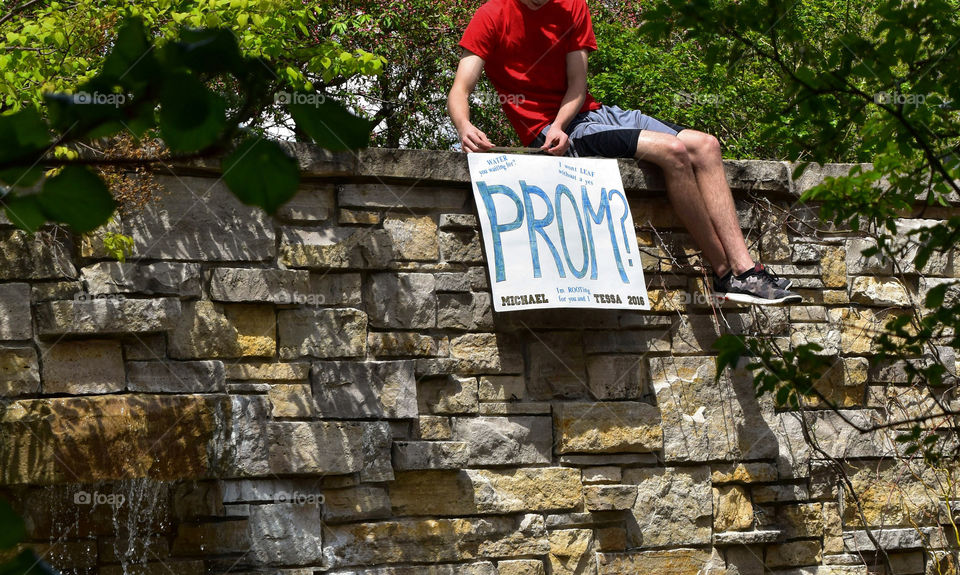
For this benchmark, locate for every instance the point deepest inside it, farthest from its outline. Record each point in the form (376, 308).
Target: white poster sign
(557, 232)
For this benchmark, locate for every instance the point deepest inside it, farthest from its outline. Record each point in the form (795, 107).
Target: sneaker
(756, 286)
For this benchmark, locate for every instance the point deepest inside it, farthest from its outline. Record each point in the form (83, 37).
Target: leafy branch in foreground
(144, 89)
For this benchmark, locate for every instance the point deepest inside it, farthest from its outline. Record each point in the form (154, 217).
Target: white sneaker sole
(752, 299)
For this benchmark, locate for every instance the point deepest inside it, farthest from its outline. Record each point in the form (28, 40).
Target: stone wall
(329, 391)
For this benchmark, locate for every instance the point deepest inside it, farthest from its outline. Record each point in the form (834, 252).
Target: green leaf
(731, 348)
(24, 212)
(191, 116)
(78, 198)
(131, 62)
(22, 135)
(331, 125)
(261, 174)
(22, 176)
(12, 528)
(207, 50)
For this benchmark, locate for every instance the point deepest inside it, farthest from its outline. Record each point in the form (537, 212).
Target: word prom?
(555, 223)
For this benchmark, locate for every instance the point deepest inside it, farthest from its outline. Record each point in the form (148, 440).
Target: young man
(535, 54)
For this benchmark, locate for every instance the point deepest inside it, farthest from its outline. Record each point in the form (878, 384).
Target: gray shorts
(609, 132)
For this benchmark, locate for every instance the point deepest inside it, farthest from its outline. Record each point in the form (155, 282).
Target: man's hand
(557, 141)
(473, 140)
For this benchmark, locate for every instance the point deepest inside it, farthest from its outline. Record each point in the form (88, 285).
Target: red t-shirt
(525, 54)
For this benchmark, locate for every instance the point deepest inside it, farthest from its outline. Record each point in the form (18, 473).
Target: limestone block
(617, 376)
(834, 265)
(379, 195)
(176, 376)
(249, 440)
(502, 388)
(315, 447)
(801, 520)
(336, 289)
(382, 389)
(607, 427)
(401, 300)
(322, 333)
(516, 440)
(332, 247)
(312, 203)
(19, 371)
(879, 292)
(461, 247)
(743, 473)
(199, 219)
(360, 503)
(888, 498)
(291, 400)
(111, 437)
(857, 263)
(413, 237)
(906, 242)
(286, 534)
(405, 344)
(732, 510)
(260, 285)
(161, 278)
(106, 316)
(473, 568)
(520, 567)
(447, 395)
(674, 506)
(83, 367)
(268, 371)
(557, 367)
(465, 311)
(15, 319)
(609, 497)
(434, 540)
(376, 439)
(485, 353)
(42, 255)
(793, 554)
(667, 562)
(572, 552)
(193, 540)
(212, 330)
(434, 427)
(430, 454)
(602, 474)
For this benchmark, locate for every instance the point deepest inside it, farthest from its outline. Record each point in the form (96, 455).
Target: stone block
(801, 520)
(706, 419)
(414, 238)
(889, 498)
(111, 437)
(515, 407)
(15, 319)
(360, 503)
(674, 507)
(885, 292)
(607, 427)
(857, 263)
(447, 395)
(617, 376)
(361, 217)
(404, 344)
(732, 510)
(285, 534)
(161, 278)
(434, 427)
(250, 444)
(502, 388)
(200, 219)
(291, 400)
(609, 497)
(793, 554)
(513, 440)
(313, 203)
(211, 330)
(485, 353)
(464, 311)
(83, 367)
(336, 288)
(401, 300)
(601, 474)
(42, 255)
(195, 540)
(430, 454)
(381, 389)
(295, 371)
(107, 316)
(332, 247)
(379, 195)
(485, 491)
(557, 367)
(19, 371)
(176, 376)
(322, 333)
(743, 473)
(520, 567)
(666, 562)
(461, 247)
(572, 552)
(259, 285)
(407, 540)
(315, 447)
(834, 265)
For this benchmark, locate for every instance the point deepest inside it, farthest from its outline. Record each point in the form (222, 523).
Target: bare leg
(671, 155)
(707, 164)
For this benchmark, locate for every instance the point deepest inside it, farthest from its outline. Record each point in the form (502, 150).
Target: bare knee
(703, 148)
(675, 156)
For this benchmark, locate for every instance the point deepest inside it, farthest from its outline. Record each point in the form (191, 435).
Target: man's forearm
(569, 107)
(458, 106)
